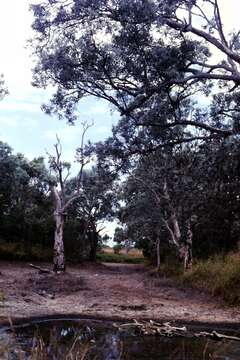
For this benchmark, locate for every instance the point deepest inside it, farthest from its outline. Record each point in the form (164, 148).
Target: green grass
(119, 258)
(219, 275)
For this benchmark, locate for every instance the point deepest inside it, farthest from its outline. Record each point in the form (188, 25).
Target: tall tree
(62, 198)
(147, 58)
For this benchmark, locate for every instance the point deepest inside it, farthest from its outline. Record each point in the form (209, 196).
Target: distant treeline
(26, 211)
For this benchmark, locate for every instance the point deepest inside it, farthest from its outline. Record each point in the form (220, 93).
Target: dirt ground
(116, 291)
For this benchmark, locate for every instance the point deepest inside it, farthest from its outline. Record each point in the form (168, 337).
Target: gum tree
(63, 199)
(147, 58)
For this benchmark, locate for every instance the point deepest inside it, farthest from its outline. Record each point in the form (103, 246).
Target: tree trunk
(158, 253)
(186, 249)
(189, 246)
(58, 257)
(93, 246)
(58, 251)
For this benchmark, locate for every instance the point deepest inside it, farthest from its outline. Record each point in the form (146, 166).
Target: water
(96, 340)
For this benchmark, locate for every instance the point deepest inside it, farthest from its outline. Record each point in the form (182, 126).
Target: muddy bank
(112, 291)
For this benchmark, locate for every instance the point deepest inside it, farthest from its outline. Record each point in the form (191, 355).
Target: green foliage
(117, 248)
(219, 275)
(17, 252)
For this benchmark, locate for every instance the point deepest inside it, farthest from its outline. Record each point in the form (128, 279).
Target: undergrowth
(16, 252)
(119, 258)
(219, 276)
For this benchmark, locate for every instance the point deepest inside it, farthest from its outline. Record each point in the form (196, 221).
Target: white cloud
(8, 121)
(102, 129)
(19, 106)
(67, 134)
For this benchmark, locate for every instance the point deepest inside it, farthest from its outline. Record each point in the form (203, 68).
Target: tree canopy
(152, 60)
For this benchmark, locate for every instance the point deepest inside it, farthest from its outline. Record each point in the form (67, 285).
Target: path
(108, 290)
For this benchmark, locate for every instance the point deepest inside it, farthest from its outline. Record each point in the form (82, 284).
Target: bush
(219, 275)
(117, 248)
(16, 252)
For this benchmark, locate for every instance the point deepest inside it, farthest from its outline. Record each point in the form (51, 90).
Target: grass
(219, 276)
(2, 297)
(119, 258)
(16, 252)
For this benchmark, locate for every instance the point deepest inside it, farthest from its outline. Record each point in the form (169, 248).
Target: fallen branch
(166, 329)
(41, 270)
(152, 328)
(216, 336)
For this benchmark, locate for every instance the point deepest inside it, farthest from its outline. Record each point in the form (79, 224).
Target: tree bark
(58, 256)
(189, 246)
(58, 251)
(158, 253)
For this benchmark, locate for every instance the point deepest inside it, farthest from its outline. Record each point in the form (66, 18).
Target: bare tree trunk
(58, 257)
(58, 251)
(186, 249)
(158, 253)
(189, 246)
(93, 246)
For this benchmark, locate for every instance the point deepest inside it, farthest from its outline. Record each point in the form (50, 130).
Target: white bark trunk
(58, 252)
(58, 257)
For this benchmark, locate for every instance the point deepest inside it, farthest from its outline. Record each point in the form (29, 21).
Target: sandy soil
(109, 291)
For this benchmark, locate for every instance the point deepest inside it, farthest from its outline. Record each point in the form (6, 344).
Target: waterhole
(94, 339)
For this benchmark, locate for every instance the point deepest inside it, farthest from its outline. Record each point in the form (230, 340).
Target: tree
(95, 205)
(186, 197)
(25, 204)
(162, 190)
(149, 59)
(62, 199)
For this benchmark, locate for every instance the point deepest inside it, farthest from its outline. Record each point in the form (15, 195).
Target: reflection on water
(95, 340)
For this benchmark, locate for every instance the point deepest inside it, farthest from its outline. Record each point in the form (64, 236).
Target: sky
(22, 123)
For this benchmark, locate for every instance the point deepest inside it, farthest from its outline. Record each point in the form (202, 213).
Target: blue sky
(22, 123)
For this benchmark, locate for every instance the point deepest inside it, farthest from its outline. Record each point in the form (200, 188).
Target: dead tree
(62, 200)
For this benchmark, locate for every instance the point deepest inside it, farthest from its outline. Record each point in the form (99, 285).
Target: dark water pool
(88, 339)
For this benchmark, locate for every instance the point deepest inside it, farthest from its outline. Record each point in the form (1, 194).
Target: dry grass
(219, 275)
(134, 256)
(132, 252)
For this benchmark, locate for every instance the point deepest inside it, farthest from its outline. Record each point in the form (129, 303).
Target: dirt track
(109, 291)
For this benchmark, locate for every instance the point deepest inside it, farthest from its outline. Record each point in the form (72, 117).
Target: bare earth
(111, 291)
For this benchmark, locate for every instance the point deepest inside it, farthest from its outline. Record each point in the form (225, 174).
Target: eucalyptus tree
(189, 196)
(24, 197)
(162, 194)
(95, 205)
(62, 198)
(150, 59)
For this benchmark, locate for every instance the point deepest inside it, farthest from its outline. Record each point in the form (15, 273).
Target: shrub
(219, 275)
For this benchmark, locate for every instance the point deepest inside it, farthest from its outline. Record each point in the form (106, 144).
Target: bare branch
(177, 25)
(196, 124)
